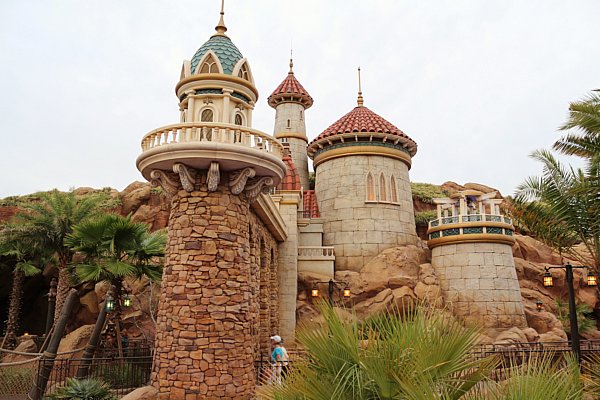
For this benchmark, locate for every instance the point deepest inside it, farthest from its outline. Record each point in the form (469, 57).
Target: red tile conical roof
(363, 120)
(290, 88)
(291, 181)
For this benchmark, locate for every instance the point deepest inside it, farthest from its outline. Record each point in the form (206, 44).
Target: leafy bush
(124, 375)
(423, 217)
(83, 389)
(583, 311)
(426, 192)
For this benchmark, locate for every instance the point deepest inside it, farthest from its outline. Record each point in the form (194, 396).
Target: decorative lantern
(346, 292)
(126, 301)
(548, 280)
(314, 292)
(591, 279)
(539, 304)
(110, 303)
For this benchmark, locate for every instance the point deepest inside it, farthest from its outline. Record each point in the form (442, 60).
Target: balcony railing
(212, 132)
(316, 251)
(469, 218)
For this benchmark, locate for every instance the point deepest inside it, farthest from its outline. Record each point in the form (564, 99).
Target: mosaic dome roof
(227, 53)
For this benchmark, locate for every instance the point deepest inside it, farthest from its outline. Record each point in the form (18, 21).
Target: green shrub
(124, 375)
(583, 311)
(426, 192)
(423, 217)
(83, 389)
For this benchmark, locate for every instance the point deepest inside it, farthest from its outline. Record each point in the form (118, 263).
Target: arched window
(382, 192)
(393, 190)
(243, 72)
(238, 119)
(207, 115)
(209, 66)
(370, 188)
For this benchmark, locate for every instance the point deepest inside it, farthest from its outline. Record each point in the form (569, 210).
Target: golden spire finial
(360, 97)
(221, 28)
(291, 61)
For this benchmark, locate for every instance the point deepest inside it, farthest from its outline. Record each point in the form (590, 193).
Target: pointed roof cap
(290, 90)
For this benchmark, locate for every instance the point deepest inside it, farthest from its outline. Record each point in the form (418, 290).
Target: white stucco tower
(290, 100)
(362, 186)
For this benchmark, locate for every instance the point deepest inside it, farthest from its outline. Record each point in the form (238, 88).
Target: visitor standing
(279, 358)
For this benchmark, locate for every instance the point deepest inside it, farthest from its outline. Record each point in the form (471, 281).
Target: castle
(244, 221)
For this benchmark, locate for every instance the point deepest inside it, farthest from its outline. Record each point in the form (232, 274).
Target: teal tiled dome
(225, 50)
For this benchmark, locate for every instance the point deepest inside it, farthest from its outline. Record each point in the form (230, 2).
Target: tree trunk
(64, 285)
(14, 310)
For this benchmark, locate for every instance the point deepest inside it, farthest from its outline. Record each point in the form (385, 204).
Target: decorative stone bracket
(240, 181)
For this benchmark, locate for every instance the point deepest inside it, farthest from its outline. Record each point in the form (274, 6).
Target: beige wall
(480, 283)
(357, 229)
(294, 113)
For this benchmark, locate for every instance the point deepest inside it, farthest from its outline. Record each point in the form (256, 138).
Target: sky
(478, 84)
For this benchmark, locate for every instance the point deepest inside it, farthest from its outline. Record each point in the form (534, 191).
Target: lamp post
(591, 281)
(330, 289)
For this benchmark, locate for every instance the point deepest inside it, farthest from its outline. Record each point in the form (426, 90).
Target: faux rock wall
(480, 283)
(357, 229)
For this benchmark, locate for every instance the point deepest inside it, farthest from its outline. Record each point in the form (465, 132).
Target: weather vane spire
(221, 28)
(291, 59)
(360, 97)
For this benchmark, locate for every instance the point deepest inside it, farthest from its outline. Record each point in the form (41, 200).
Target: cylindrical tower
(471, 245)
(290, 100)
(362, 186)
(212, 165)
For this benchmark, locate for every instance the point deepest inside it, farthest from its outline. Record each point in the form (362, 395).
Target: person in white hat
(279, 358)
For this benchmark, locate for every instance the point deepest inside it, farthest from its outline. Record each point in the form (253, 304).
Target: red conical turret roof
(290, 90)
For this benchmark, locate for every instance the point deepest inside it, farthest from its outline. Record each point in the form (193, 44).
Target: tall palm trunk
(64, 284)
(14, 310)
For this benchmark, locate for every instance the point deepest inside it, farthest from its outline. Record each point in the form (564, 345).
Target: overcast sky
(477, 84)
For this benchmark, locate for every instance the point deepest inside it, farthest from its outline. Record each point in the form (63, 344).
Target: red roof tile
(290, 86)
(311, 207)
(291, 180)
(361, 119)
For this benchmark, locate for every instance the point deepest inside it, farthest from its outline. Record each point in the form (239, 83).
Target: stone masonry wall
(359, 230)
(480, 283)
(208, 321)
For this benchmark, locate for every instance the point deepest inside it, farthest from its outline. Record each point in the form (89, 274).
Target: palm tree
(46, 223)
(115, 248)
(20, 258)
(419, 354)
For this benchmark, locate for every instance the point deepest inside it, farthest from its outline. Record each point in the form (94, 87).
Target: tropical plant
(22, 260)
(419, 354)
(583, 312)
(115, 248)
(423, 217)
(426, 192)
(82, 389)
(46, 223)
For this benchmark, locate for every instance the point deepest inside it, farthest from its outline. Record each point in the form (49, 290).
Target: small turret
(290, 100)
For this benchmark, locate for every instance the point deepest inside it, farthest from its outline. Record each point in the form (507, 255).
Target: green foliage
(311, 180)
(426, 192)
(417, 355)
(583, 312)
(83, 389)
(124, 375)
(423, 217)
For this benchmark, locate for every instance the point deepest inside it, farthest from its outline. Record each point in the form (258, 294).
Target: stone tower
(213, 165)
(290, 100)
(471, 244)
(362, 186)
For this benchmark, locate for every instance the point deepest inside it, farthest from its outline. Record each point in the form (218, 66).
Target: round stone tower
(290, 100)
(362, 186)
(471, 246)
(213, 165)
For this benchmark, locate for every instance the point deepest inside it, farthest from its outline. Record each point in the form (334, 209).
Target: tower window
(238, 119)
(393, 190)
(370, 188)
(243, 72)
(207, 115)
(301, 116)
(382, 191)
(209, 66)
(289, 123)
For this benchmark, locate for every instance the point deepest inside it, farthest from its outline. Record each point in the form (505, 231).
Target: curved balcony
(470, 228)
(197, 144)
